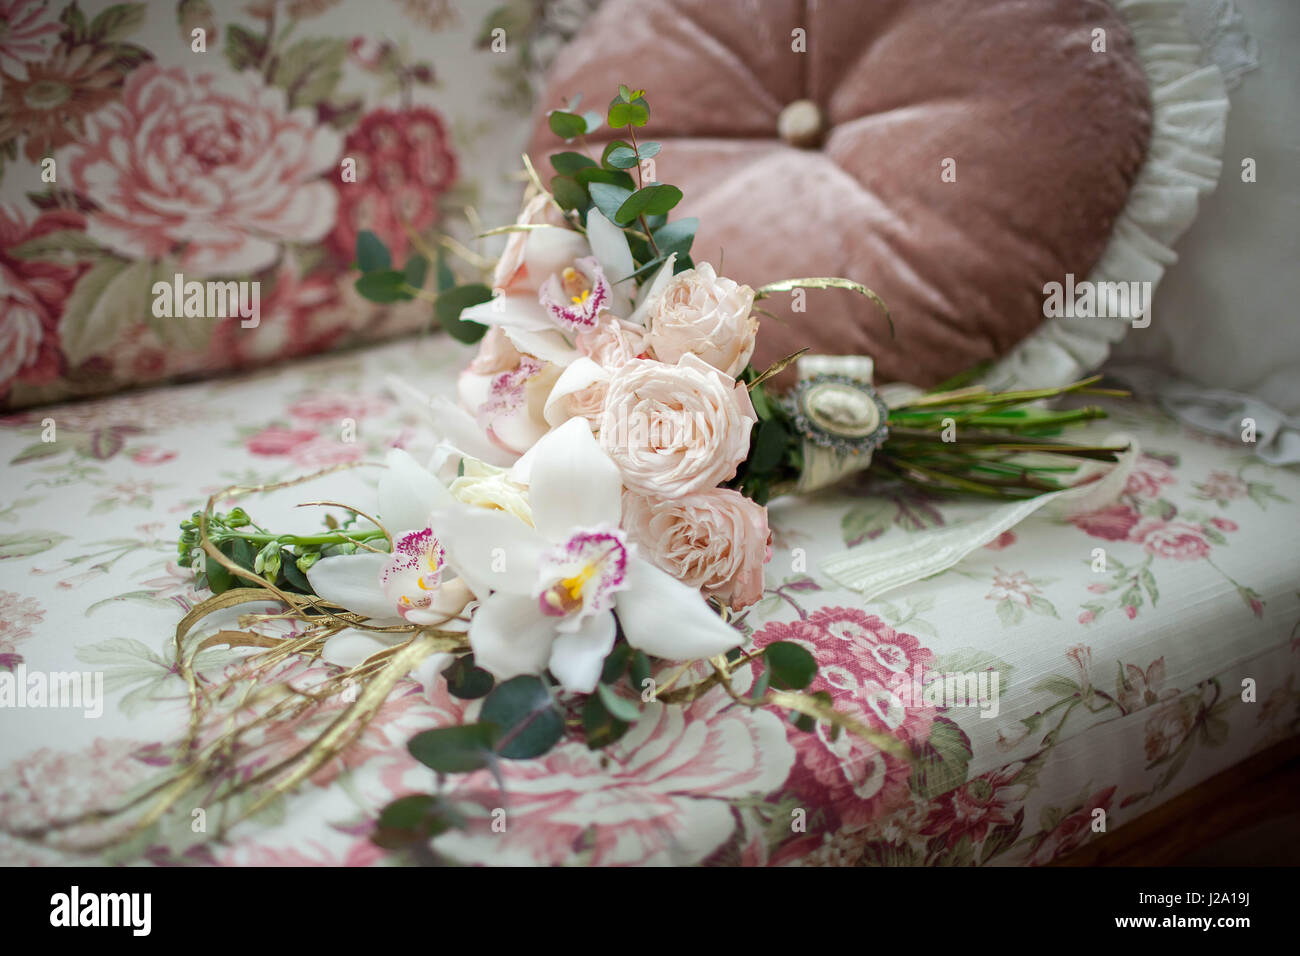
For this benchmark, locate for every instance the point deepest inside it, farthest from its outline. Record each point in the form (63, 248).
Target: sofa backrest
(183, 183)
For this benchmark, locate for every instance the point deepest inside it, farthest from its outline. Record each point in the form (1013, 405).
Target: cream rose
(613, 344)
(675, 429)
(715, 540)
(580, 391)
(702, 313)
(486, 486)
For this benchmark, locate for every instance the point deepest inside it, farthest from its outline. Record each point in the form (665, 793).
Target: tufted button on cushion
(953, 155)
(802, 124)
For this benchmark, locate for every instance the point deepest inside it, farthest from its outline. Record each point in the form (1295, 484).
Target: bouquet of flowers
(591, 523)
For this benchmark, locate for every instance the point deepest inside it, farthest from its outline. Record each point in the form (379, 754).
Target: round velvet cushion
(954, 156)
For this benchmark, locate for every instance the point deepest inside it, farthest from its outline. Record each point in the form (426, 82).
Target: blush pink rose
(704, 314)
(715, 540)
(1173, 539)
(613, 344)
(675, 429)
(212, 167)
(610, 346)
(1113, 523)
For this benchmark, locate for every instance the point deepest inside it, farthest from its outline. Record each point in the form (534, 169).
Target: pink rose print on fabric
(404, 164)
(1148, 478)
(977, 806)
(1015, 587)
(1172, 539)
(1167, 727)
(32, 297)
(1113, 523)
(321, 452)
(18, 616)
(213, 168)
(300, 315)
(47, 785)
(152, 455)
(1005, 540)
(330, 408)
(1070, 833)
(1222, 486)
(276, 440)
(860, 660)
(657, 796)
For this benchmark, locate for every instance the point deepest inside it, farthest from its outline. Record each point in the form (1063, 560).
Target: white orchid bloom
(451, 426)
(508, 406)
(549, 594)
(652, 290)
(412, 585)
(609, 246)
(569, 281)
(575, 298)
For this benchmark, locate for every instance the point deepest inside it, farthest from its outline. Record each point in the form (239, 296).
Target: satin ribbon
(882, 565)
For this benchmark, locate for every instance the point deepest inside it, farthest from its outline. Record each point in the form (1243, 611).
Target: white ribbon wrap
(879, 566)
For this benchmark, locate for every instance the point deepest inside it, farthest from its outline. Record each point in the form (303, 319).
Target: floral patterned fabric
(133, 150)
(1126, 675)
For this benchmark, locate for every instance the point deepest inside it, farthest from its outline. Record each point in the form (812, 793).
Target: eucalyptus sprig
(582, 182)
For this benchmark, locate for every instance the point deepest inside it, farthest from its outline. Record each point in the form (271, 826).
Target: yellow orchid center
(574, 584)
(566, 594)
(578, 576)
(575, 285)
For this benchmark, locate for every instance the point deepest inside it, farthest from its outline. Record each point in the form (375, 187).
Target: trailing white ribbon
(873, 569)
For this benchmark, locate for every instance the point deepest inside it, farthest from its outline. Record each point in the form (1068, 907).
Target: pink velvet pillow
(968, 153)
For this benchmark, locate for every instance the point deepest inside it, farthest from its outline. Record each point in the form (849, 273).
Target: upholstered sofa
(1139, 650)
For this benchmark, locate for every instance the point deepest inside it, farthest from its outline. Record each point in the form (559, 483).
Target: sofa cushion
(955, 157)
(129, 156)
(1120, 680)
